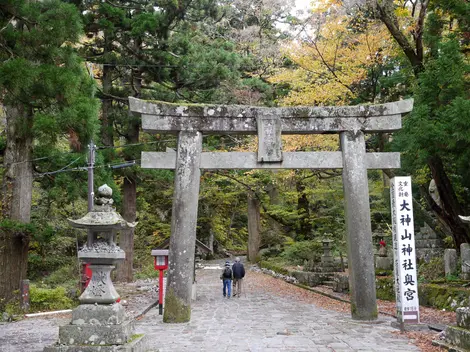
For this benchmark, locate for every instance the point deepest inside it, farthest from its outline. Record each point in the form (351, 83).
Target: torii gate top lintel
(270, 124)
(167, 117)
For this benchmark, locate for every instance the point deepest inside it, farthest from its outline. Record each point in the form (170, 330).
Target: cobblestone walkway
(260, 321)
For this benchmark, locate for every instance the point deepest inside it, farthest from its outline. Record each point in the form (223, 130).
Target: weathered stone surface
(96, 334)
(465, 258)
(93, 314)
(183, 228)
(463, 317)
(310, 278)
(383, 263)
(157, 116)
(246, 160)
(247, 125)
(450, 261)
(269, 139)
(428, 243)
(139, 343)
(100, 289)
(358, 225)
(458, 336)
(340, 282)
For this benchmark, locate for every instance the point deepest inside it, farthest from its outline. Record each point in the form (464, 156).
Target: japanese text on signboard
(406, 285)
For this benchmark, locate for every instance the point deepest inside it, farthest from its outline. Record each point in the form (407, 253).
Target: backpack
(227, 273)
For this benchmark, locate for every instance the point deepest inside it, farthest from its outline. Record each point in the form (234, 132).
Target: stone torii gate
(190, 122)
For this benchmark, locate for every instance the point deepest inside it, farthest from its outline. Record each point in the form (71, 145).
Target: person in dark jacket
(238, 271)
(227, 276)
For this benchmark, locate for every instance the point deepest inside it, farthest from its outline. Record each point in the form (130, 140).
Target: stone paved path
(260, 321)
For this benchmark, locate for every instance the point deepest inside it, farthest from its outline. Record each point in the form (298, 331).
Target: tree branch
(387, 16)
(257, 195)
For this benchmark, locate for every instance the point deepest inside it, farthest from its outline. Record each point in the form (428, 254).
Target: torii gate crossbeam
(190, 121)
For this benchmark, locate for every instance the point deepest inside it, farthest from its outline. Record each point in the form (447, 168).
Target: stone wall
(428, 244)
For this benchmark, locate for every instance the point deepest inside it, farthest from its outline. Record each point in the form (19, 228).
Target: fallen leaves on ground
(423, 339)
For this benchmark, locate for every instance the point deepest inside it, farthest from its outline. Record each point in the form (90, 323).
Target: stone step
(458, 336)
(329, 283)
(463, 317)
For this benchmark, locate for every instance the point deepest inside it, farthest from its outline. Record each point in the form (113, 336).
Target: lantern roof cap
(103, 217)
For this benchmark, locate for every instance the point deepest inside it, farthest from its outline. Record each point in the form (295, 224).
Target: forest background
(68, 67)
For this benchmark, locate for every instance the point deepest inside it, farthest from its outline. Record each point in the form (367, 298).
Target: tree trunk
(16, 200)
(386, 12)
(210, 243)
(451, 208)
(254, 233)
(129, 202)
(275, 231)
(129, 213)
(107, 102)
(126, 238)
(303, 209)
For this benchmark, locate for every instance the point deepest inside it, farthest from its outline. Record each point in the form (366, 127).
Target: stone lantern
(327, 261)
(100, 322)
(101, 251)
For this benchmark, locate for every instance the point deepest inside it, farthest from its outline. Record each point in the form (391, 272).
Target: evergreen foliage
(227, 52)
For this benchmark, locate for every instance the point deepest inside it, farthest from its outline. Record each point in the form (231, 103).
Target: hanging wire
(62, 169)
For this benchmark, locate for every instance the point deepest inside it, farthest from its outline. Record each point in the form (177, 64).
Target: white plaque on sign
(404, 250)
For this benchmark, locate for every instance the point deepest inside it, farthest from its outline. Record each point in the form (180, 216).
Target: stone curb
(447, 346)
(145, 311)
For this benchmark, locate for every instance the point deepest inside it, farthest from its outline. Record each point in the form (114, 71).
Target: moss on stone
(189, 105)
(135, 337)
(443, 296)
(273, 267)
(357, 316)
(385, 289)
(176, 311)
(353, 309)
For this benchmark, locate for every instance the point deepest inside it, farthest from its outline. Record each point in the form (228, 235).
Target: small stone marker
(450, 261)
(25, 296)
(465, 258)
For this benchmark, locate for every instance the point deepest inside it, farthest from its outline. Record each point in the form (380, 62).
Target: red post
(160, 263)
(86, 276)
(160, 292)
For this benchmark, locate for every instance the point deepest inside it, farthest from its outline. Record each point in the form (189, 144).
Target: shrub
(276, 268)
(301, 251)
(48, 299)
(67, 276)
(432, 270)
(146, 270)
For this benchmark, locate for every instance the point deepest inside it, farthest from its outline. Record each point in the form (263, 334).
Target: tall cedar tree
(436, 43)
(47, 94)
(153, 52)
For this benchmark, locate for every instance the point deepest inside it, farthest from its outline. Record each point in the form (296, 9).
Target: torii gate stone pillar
(191, 121)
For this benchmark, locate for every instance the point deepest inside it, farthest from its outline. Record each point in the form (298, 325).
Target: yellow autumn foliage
(333, 57)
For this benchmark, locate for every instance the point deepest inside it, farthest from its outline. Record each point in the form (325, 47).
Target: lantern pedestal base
(103, 328)
(100, 288)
